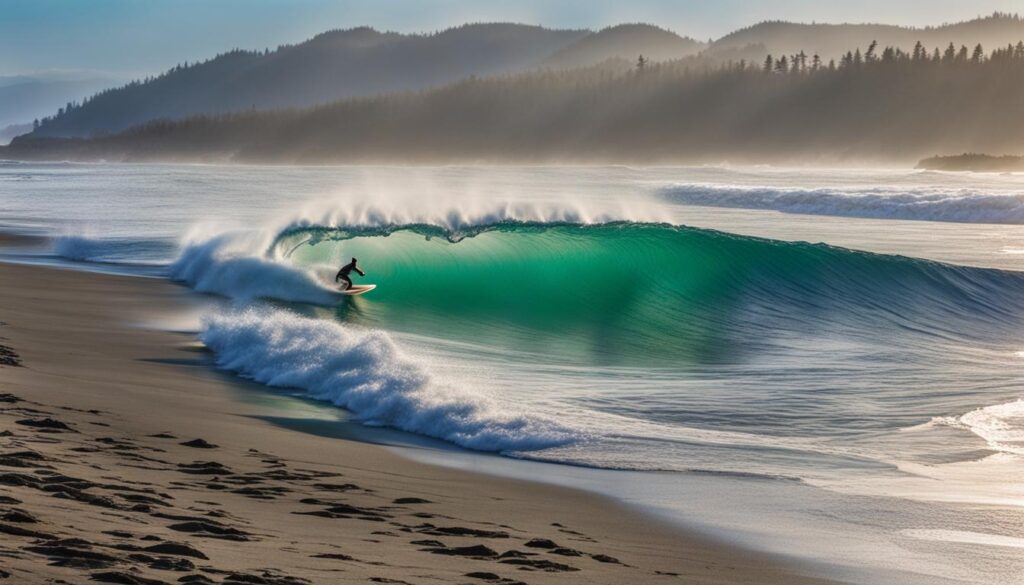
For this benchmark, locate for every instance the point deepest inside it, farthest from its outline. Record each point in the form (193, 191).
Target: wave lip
(465, 218)
(924, 204)
(364, 372)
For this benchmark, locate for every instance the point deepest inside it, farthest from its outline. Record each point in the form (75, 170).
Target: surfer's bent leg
(346, 281)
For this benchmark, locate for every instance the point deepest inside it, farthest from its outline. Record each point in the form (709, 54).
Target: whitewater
(716, 344)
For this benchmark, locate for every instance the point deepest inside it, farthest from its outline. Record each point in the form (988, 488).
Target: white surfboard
(358, 289)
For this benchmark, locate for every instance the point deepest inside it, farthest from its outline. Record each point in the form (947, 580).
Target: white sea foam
(1001, 426)
(235, 265)
(364, 372)
(917, 203)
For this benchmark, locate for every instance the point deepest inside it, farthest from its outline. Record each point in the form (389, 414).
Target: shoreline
(266, 501)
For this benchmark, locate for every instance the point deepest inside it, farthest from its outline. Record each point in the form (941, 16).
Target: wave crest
(462, 216)
(928, 204)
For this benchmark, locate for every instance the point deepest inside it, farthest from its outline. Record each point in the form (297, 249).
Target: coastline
(270, 505)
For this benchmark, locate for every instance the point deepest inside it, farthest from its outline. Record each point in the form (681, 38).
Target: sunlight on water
(591, 316)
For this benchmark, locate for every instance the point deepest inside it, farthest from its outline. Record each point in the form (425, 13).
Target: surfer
(343, 274)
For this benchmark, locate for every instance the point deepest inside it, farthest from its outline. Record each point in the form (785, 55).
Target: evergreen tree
(950, 55)
(979, 54)
(870, 55)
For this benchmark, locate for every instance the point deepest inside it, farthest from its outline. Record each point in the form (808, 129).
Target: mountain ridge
(832, 40)
(362, 61)
(624, 41)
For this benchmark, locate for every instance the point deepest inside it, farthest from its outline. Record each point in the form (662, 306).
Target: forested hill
(874, 104)
(349, 63)
(328, 67)
(364, 62)
(624, 41)
(832, 40)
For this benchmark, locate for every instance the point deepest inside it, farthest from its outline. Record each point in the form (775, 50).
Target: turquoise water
(653, 294)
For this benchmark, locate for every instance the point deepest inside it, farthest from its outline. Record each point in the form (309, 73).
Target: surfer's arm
(361, 273)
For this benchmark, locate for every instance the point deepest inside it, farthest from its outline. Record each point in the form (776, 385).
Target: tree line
(881, 104)
(801, 63)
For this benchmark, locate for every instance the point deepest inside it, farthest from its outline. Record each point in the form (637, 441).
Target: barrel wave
(627, 293)
(621, 344)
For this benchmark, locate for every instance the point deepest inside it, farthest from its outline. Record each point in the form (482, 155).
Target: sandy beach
(125, 459)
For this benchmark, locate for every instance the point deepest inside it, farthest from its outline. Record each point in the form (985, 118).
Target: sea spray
(460, 214)
(364, 372)
(230, 264)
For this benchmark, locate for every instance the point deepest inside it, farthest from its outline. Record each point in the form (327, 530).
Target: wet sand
(126, 458)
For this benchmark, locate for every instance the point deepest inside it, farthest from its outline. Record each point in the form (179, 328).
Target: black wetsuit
(343, 274)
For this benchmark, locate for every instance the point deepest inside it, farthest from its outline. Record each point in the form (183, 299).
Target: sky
(131, 38)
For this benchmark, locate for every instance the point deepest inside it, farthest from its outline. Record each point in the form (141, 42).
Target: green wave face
(644, 294)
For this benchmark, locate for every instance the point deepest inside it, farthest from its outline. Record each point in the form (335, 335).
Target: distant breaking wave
(928, 204)
(113, 250)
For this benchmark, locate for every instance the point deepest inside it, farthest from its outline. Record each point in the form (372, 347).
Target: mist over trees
(363, 62)
(623, 41)
(874, 103)
(832, 40)
(330, 66)
(350, 63)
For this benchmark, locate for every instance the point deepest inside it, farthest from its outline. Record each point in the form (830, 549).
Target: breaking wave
(365, 373)
(930, 204)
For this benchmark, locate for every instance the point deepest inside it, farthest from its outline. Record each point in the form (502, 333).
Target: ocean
(820, 363)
